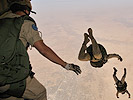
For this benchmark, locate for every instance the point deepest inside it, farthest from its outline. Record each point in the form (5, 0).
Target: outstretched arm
(52, 56)
(114, 56)
(48, 53)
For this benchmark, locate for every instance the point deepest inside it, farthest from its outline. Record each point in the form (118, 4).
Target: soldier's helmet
(21, 2)
(6, 5)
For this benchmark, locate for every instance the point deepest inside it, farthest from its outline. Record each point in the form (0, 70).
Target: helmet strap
(29, 9)
(26, 13)
(33, 12)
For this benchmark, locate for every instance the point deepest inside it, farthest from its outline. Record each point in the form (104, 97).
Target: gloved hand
(74, 68)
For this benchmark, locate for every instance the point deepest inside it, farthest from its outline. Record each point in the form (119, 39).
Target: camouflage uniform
(28, 34)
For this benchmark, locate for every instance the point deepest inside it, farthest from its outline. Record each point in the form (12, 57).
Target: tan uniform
(28, 34)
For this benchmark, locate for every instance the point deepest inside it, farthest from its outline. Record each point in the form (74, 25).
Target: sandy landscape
(63, 31)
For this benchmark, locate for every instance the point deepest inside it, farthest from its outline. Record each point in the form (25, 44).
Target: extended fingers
(76, 69)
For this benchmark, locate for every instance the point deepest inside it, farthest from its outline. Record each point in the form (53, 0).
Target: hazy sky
(120, 10)
(51, 5)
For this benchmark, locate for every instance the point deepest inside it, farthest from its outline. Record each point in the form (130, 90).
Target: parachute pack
(14, 59)
(100, 62)
(121, 87)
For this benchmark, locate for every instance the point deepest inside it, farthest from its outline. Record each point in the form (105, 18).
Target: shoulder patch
(34, 27)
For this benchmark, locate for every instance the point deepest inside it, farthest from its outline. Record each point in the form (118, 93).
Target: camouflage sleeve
(29, 33)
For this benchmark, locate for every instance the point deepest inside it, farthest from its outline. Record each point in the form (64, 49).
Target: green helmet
(21, 2)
